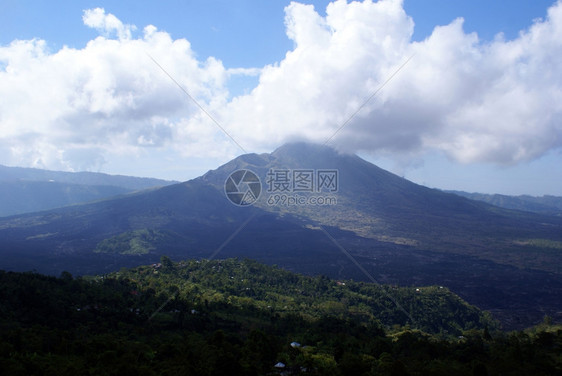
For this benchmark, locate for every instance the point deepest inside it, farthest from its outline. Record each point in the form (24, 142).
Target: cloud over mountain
(494, 101)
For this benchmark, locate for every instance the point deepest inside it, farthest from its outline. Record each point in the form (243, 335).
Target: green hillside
(248, 285)
(243, 318)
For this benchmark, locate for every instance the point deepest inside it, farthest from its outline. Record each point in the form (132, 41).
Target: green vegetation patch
(246, 284)
(541, 243)
(137, 242)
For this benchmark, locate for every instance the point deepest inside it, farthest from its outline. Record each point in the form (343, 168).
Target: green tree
(167, 264)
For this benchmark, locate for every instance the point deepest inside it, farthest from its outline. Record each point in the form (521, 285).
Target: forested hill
(243, 318)
(249, 285)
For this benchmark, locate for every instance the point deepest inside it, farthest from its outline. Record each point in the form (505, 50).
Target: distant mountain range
(365, 223)
(26, 190)
(551, 205)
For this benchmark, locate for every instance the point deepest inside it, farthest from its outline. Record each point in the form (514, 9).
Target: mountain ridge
(547, 204)
(8, 173)
(28, 190)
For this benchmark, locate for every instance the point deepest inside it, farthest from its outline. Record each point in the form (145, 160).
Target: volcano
(314, 210)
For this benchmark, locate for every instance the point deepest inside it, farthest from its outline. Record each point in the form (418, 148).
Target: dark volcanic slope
(184, 220)
(401, 232)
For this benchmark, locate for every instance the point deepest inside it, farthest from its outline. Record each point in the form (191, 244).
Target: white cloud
(493, 101)
(335, 65)
(105, 100)
(107, 23)
(498, 101)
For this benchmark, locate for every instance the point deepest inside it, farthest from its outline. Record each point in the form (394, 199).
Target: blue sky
(248, 63)
(223, 28)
